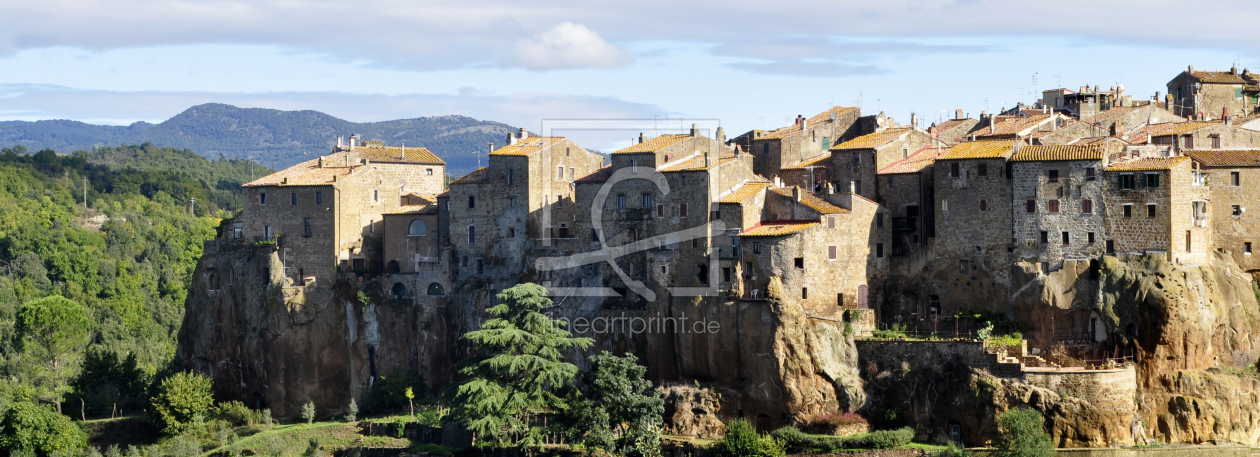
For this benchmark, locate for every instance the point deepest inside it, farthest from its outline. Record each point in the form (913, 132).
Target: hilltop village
(799, 241)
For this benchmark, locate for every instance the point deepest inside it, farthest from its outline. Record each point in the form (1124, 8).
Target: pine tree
(517, 368)
(623, 413)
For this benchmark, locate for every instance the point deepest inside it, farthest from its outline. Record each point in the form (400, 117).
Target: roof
(478, 176)
(1012, 126)
(780, 132)
(597, 176)
(991, 149)
(784, 132)
(915, 163)
(415, 209)
(811, 200)
(778, 228)
(1110, 115)
(307, 173)
(1057, 152)
(693, 163)
(1226, 157)
(952, 123)
(527, 146)
(826, 115)
(872, 140)
(398, 154)
(816, 161)
(1218, 77)
(1178, 128)
(1149, 164)
(743, 192)
(654, 144)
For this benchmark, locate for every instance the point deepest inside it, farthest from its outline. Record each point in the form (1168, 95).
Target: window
(621, 201)
(682, 210)
(511, 232)
(1045, 237)
(376, 195)
(472, 201)
(1150, 180)
(634, 166)
(1126, 182)
(831, 253)
(266, 232)
(660, 210)
(953, 170)
(765, 148)
(879, 219)
(293, 198)
(726, 274)
(756, 247)
(890, 182)
(472, 234)
(1111, 246)
(1089, 237)
(1089, 174)
(1189, 141)
(428, 171)
(1030, 206)
(1188, 244)
(1128, 211)
(560, 172)
(371, 225)
(831, 222)
(879, 250)
(799, 262)
(982, 170)
(1052, 206)
(984, 205)
(1052, 175)
(1234, 178)
(237, 232)
(1238, 93)
(1216, 141)
(1247, 247)
(571, 173)
(1150, 210)
(359, 265)
(417, 228)
(436, 289)
(804, 293)
(857, 186)
(1236, 210)
(1087, 206)
(826, 143)
(262, 198)
(512, 202)
(511, 176)
(647, 200)
(1067, 239)
(857, 159)
(944, 206)
(319, 198)
(306, 227)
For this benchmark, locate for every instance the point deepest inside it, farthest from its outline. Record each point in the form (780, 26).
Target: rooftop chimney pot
(695, 130)
(796, 194)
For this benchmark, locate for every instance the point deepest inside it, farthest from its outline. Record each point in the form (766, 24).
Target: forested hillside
(265, 135)
(127, 258)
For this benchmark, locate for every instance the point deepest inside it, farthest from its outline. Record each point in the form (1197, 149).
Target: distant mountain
(264, 135)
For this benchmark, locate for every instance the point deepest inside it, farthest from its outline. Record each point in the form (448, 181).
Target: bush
(1021, 432)
(798, 442)
(742, 440)
(28, 428)
(308, 412)
(389, 393)
(827, 423)
(896, 331)
(181, 400)
(352, 411)
(235, 413)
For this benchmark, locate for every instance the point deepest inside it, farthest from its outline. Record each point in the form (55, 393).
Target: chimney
(914, 120)
(339, 144)
(511, 139)
(1225, 114)
(321, 161)
(641, 138)
(1234, 69)
(796, 194)
(958, 114)
(353, 139)
(708, 159)
(803, 121)
(695, 130)
(720, 135)
(831, 190)
(1190, 69)
(523, 133)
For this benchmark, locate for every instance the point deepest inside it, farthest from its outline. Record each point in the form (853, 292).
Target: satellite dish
(879, 121)
(833, 115)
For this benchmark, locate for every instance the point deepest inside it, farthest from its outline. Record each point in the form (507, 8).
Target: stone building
(1115, 122)
(1057, 203)
(1209, 95)
(1085, 103)
(973, 206)
(804, 140)
(523, 200)
(955, 130)
(1013, 127)
(415, 250)
(1158, 205)
(326, 213)
(1196, 135)
(854, 164)
(906, 187)
(1232, 178)
(830, 251)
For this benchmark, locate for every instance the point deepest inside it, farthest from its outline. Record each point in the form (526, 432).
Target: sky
(598, 71)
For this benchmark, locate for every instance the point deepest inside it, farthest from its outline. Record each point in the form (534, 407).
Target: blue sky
(742, 64)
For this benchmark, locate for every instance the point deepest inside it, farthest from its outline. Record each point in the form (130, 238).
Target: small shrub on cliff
(1021, 432)
(352, 411)
(181, 401)
(308, 412)
(742, 440)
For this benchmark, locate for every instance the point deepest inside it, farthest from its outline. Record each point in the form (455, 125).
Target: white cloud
(566, 45)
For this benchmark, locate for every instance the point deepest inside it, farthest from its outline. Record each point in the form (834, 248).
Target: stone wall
(980, 240)
(1086, 231)
(1231, 233)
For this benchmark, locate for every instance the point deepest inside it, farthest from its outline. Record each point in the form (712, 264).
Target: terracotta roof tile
(950, 124)
(694, 162)
(415, 209)
(597, 176)
(654, 144)
(872, 140)
(1110, 115)
(396, 154)
(478, 176)
(991, 149)
(1179, 128)
(1012, 125)
(1056, 152)
(826, 115)
(781, 133)
(527, 146)
(816, 161)
(915, 163)
(1148, 164)
(308, 173)
(811, 200)
(744, 192)
(778, 228)
(1226, 157)
(1218, 77)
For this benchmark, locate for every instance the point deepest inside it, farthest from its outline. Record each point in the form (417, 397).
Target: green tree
(517, 368)
(623, 413)
(352, 411)
(742, 440)
(1021, 432)
(410, 396)
(54, 330)
(181, 401)
(31, 428)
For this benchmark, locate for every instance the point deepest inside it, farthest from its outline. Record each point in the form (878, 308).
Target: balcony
(905, 224)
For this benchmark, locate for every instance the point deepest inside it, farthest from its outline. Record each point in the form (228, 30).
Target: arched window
(418, 228)
(400, 291)
(436, 289)
(392, 267)
(212, 280)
